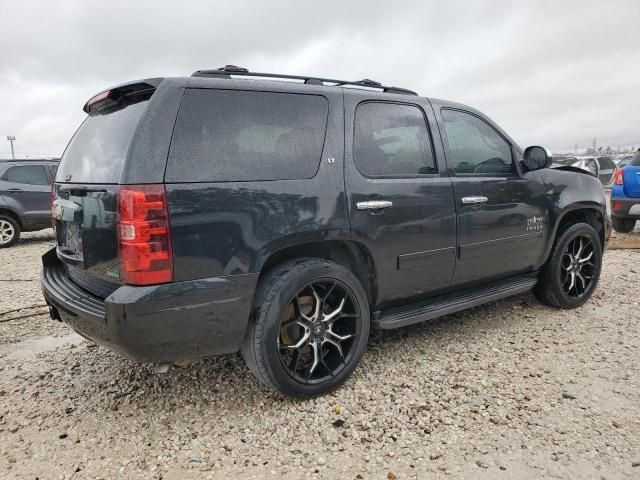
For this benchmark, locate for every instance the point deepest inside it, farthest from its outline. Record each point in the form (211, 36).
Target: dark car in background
(284, 219)
(25, 197)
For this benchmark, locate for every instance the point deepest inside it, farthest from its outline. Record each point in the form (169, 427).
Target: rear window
(635, 161)
(97, 152)
(226, 135)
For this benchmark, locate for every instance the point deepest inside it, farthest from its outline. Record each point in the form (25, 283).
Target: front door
(501, 214)
(400, 200)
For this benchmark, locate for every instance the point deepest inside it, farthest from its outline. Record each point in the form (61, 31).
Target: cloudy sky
(556, 73)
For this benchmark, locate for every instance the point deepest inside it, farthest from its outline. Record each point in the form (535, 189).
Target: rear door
(27, 189)
(400, 199)
(501, 213)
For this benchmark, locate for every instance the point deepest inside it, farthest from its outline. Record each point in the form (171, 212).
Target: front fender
(569, 193)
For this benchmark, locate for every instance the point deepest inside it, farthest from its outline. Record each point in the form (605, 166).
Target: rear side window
(97, 152)
(229, 135)
(635, 161)
(474, 147)
(27, 174)
(392, 140)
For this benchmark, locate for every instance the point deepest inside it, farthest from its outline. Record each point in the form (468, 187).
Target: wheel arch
(577, 213)
(13, 215)
(350, 254)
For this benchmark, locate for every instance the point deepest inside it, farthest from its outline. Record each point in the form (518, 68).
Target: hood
(570, 168)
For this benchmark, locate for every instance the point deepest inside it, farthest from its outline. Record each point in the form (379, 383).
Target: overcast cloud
(555, 73)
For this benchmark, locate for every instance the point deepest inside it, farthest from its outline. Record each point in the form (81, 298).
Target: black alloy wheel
(578, 266)
(309, 327)
(571, 272)
(317, 331)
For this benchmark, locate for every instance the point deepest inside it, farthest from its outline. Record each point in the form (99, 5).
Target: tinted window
(27, 174)
(97, 152)
(392, 139)
(636, 160)
(475, 147)
(223, 135)
(606, 163)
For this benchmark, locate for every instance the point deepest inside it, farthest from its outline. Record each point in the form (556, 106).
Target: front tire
(9, 231)
(623, 225)
(309, 327)
(571, 273)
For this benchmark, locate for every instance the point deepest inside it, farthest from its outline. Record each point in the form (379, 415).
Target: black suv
(284, 219)
(25, 197)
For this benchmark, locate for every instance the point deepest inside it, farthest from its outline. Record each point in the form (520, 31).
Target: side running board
(451, 303)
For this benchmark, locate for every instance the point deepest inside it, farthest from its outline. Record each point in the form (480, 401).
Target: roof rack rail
(229, 70)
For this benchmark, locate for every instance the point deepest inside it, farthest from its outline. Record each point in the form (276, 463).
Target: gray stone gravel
(508, 390)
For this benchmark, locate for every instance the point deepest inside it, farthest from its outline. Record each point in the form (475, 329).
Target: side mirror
(536, 158)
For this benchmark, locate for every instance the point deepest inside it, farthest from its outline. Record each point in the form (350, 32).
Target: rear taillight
(144, 235)
(618, 178)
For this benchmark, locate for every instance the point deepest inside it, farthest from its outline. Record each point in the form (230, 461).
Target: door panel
(504, 235)
(501, 214)
(412, 239)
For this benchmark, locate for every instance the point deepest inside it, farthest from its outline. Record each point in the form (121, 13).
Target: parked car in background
(624, 161)
(284, 219)
(25, 197)
(625, 196)
(602, 167)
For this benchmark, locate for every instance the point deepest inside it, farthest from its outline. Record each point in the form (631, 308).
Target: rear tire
(623, 225)
(9, 231)
(571, 273)
(309, 327)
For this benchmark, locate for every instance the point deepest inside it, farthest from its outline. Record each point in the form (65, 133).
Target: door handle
(474, 200)
(14, 190)
(374, 204)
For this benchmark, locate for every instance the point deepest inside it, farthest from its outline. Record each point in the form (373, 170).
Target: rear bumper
(625, 207)
(160, 323)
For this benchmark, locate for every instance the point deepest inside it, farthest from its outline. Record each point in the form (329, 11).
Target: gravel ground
(508, 390)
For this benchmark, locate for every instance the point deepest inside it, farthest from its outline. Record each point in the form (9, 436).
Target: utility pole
(11, 139)
(594, 144)
(576, 149)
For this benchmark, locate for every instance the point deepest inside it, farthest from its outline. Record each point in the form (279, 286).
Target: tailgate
(85, 192)
(85, 222)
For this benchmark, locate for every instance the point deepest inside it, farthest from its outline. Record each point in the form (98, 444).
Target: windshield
(97, 151)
